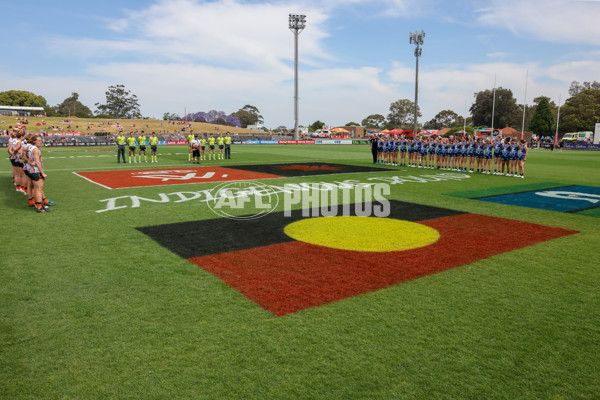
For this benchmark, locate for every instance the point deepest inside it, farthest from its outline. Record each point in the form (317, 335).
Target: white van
(573, 137)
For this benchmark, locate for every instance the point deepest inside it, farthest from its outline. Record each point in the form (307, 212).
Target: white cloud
(224, 54)
(450, 86)
(498, 55)
(557, 21)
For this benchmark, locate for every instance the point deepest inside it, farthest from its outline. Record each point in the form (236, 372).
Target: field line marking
(102, 168)
(89, 180)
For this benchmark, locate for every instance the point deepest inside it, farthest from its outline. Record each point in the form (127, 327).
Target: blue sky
(355, 55)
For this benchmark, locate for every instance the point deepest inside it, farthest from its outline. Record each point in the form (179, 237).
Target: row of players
(197, 147)
(196, 144)
(28, 168)
(131, 143)
(465, 154)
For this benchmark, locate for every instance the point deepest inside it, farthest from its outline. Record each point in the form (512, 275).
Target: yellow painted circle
(362, 233)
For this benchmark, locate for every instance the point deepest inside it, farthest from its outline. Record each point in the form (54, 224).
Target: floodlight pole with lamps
(417, 39)
(297, 25)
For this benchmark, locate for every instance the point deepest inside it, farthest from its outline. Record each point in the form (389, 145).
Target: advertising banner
(581, 146)
(296, 142)
(338, 141)
(260, 142)
(170, 142)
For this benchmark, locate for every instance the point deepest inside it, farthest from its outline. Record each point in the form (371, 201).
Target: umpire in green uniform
(228, 146)
(121, 147)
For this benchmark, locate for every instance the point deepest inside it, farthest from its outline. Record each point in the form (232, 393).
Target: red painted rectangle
(119, 179)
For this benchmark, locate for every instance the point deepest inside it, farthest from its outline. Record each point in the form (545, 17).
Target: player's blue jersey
(498, 147)
(513, 150)
(487, 150)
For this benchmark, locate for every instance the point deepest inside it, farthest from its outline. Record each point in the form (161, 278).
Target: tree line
(580, 111)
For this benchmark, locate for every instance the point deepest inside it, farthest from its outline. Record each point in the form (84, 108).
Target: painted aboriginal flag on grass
(285, 275)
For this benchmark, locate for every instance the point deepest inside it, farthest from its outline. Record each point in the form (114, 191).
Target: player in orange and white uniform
(26, 144)
(18, 162)
(35, 168)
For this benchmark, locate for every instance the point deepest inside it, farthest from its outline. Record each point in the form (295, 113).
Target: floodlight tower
(417, 38)
(297, 24)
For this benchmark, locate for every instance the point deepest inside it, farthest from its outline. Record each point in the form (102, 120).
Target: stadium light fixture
(297, 25)
(417, 39)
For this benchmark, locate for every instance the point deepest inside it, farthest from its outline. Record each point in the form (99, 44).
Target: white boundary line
(89, 180)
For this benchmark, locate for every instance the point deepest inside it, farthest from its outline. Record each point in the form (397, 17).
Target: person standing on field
(373, 144)
(142, 147)
(120, 147)
(153, 146)
(131, 143)
(228, 146)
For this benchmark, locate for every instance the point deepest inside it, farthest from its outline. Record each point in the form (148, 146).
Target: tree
(506, 111)
(315, 126)
(374, 121)
(72, 106)
(352, 124)
(580, 112)
(249, 115)
(444, 119)
(22, 98)
(542, 122)
(171, 117)
(402, 114)
(215, 117)
(577, 87)
(120, 103)
(470, 130)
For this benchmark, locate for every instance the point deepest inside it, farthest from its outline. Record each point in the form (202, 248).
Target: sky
(355, 58)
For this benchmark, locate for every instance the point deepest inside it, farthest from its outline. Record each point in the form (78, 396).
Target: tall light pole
(297, 24)
(417, 38)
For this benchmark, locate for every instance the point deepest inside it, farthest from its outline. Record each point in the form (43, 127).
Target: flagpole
(465, 121)
(524, 107)
(557, 119)
(493, 105)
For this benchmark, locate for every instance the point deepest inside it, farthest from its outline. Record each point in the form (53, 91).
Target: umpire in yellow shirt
(120, 147)
(227, 146)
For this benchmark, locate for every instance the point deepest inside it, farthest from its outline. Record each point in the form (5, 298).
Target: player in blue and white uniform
(505, 155)
(522, 156)
(431, 152)
(471, 153)
(395, 150)
(403, 146)
(438, 153)
(497, 155)
(487, 157)
(411, 152)
(423, 154)
(445, 153)
(380, 149)
(513, 158)
(462, 161)
(479, 154)
(386, 150)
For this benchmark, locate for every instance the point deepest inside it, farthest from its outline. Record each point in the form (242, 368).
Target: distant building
(355, 131)
(20, 110)
(257, 127)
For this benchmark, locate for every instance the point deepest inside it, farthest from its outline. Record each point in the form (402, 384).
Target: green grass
(91, 308)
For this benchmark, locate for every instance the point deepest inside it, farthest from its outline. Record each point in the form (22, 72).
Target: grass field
(92, 308)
